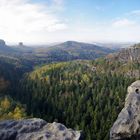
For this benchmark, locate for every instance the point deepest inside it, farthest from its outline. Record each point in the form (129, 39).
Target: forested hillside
(85, 95)
(67, 67)
(72, 50)
(67, 51)
(11, 71)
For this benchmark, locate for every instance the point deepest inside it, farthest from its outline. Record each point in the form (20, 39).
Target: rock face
(2, 43)
(127, 125)
(21, 44)
(127, 54)
(36, 129)
(130, 54)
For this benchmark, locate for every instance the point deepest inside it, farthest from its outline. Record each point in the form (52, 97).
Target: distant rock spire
(2, 42)
(21, 44)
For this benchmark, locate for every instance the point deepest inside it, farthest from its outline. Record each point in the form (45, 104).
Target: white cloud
(107, 31)
(134, 13)
(123, 23)
(20, 19)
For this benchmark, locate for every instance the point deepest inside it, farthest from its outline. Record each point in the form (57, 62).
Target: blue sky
(42, 21)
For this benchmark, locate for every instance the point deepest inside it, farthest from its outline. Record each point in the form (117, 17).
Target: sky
(46, 21)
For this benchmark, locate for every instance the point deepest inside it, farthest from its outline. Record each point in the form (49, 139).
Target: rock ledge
(36, 129)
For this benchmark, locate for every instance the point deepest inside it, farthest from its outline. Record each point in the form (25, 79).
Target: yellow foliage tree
(9, 111)
(18, 113)
(5, 104)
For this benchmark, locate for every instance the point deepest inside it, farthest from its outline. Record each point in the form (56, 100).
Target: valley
(67, 84)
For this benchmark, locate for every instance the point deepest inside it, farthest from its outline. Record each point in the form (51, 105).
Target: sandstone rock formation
(2, 42)
(127, 125)
(36, 129)
(131, 54)
(20, 44)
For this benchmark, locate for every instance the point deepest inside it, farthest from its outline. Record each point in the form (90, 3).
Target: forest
(84, 95)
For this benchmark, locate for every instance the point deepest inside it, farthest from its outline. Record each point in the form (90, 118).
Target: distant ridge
(67, 51)
(71, 50)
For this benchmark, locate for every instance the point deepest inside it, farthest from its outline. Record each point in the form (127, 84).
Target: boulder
(127, 125)
(36, 129)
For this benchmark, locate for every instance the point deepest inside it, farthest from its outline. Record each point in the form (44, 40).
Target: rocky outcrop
(20, 44)
(4, 49)
(131, 54)
(36, 129)
(2, 43)
(127, 125)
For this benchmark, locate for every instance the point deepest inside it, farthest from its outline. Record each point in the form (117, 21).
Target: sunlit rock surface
(36, 129)
(127, 125)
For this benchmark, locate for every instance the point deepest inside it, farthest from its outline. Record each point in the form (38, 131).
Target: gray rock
(131, 54)
(36, 129)
(127, 125)
(2, 42)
